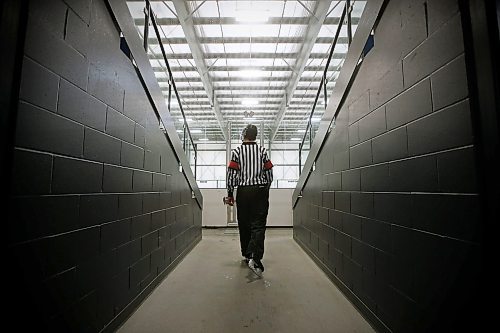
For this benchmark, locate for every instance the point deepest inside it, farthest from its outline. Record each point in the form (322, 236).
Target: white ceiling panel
(250, 50)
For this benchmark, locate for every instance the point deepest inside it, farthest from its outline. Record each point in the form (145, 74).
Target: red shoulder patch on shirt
(268, 165)
(234, 165)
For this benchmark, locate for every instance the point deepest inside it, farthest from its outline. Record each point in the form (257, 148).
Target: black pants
(253, 204)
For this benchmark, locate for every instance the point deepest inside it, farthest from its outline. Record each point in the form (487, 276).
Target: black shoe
(256, 266)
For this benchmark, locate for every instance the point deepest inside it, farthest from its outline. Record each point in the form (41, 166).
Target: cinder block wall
(391, 210)
(99, 209)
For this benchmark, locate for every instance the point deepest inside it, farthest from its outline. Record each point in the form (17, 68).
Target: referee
(250, 169)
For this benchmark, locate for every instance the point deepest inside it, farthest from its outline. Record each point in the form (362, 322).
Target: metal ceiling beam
(207, 0)
(305, 53)
(238, 88)
(186, 22)
(242, 79)
(247, 55)
(239, 97)
(247, 40)
(165, 21)
(239, 68)
(262, 96)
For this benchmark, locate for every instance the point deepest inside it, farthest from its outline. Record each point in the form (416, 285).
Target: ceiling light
(296, 139)
(204, 139)
(195, 131)
(301, 131)
(315, 119)
(187, 120)
(249, 102)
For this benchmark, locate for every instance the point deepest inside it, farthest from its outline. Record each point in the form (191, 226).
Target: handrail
(151, 16)
(125, 23)
(347, 73)
(322, 85)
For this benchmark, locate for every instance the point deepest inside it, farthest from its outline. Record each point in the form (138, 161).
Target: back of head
(249, 132)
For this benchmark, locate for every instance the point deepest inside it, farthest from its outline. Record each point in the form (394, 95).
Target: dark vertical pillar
(14, 15)
(480, 22)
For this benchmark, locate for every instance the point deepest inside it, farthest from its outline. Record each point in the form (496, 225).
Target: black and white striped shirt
(249, 165)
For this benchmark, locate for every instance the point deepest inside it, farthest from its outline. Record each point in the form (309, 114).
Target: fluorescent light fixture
(195, 131)
(315, 119)
(249, 102)
(301, 131)
(250, 73)
(187, 120)
(204, 139)
(296, 139)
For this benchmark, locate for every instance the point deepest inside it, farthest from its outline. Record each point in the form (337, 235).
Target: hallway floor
(212, 290)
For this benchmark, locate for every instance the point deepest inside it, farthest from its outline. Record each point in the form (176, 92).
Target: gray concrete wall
(392, 208)
(99, 210)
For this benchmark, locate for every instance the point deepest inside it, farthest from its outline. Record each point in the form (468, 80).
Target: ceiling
(241, 62)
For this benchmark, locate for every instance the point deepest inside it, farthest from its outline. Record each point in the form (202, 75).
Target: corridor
(213, 291)
(369, 129)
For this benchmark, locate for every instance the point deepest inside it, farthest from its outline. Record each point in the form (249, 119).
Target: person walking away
(250, 170)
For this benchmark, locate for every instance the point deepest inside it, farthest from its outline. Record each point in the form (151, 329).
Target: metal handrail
(322, 84)
(150, 16)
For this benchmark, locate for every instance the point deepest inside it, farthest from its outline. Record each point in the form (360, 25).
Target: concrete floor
(211, 290)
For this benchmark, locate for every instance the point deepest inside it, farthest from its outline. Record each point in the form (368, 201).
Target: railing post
(169, 93)
(300, 158)
(324, 87)
(349, 28)
(195, 159)
(310, 133)
(184, 137)
(147, 13)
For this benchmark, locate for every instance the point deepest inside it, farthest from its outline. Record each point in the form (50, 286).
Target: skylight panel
(161, 75)
(282, 73)
(136, 9)
(250, 74)
(321, 48)
(208, 30)
(237, 48)
(191, 74)
(283, 47)
(294, 9)
(168, 31)
(178, 48)
(281, 62)
(161, 10)
(207, 9)
(250, 30)
(183, 62)
(218, 74)
(214, 48)
(339, 7)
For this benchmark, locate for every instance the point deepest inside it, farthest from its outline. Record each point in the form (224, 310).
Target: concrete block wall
(99, 209)
(392, 209)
